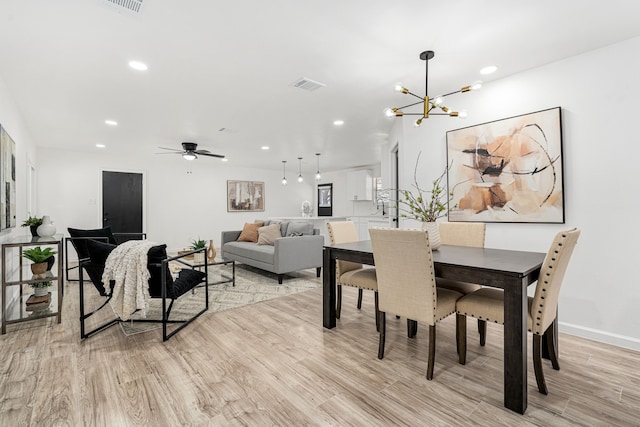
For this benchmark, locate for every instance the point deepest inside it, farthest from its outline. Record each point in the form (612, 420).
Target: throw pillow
(250, 232)
(299, 228)
(267, 235)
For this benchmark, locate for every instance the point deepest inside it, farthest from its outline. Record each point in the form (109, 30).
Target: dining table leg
(329, 289)
(515, 345)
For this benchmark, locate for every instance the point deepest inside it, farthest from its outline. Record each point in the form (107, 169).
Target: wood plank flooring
(273, 363)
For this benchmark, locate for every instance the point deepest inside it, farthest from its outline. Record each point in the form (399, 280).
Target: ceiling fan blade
(205, 152)
(170, 152)
(220, 156)
(170, 149)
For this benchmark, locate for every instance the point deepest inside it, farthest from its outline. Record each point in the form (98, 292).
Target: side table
(17, 276)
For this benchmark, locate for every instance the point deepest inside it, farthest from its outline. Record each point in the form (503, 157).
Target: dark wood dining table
(512, 271)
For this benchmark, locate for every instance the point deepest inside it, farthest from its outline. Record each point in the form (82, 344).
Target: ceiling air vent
(307, 84)
(131, 6)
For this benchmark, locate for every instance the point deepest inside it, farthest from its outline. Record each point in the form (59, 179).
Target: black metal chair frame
(137, 236)
(165, 311)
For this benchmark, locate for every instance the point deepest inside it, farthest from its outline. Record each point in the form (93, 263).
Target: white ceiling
(229, 65)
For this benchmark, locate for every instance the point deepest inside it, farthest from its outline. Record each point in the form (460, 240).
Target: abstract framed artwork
(7, 180)
(245, 196)
(508, 170)
(325, 199)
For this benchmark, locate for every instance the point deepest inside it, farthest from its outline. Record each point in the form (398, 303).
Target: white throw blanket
(127, 266)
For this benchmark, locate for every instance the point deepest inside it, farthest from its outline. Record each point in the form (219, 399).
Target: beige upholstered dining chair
(350, 273)
(487, 304)
(407, 284)
(463, 234)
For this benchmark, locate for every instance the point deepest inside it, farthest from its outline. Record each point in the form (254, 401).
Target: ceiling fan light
(189, 156)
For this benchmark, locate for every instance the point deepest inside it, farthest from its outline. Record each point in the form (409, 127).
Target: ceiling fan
(190, 152)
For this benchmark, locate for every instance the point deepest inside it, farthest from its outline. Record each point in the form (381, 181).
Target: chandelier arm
(411, 105)
(411, 93)
(450, 93)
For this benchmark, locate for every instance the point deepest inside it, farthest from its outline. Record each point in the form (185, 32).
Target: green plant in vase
(424, 205)
(198, 258)
(39, 257)
(198, 244)
(33, 223)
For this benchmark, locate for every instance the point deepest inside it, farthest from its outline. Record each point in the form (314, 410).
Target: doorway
(122, 201)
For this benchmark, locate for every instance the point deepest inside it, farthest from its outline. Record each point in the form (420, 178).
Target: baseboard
(601, 336)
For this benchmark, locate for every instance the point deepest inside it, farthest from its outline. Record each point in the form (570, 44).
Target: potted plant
(41, 288)
(198, 258)
(33, 223)
(40, 258)
(424, 205)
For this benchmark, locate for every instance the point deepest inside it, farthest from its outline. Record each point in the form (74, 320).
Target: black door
(122, 201)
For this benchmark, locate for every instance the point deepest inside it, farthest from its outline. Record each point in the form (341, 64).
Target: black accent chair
(79, 237)
(161, 285)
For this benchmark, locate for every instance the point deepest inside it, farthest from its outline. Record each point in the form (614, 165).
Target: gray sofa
(289, 253)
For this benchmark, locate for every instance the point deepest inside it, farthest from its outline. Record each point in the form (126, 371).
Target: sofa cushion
(299, 229)
(267, 235)
(262, 253)
(250, 232)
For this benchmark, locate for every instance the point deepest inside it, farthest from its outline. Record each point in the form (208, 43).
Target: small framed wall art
(245, 196)
(325, 199)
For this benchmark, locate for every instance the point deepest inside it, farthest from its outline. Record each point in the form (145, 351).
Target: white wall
(180, 206)
(12, 123)
(599, 100)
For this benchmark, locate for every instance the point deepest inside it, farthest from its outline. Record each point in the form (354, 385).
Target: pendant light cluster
(300, 177)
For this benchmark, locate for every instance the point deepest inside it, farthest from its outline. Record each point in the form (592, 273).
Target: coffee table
(217, 262)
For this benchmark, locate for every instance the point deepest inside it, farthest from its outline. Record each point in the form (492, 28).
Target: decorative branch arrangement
(424, 205)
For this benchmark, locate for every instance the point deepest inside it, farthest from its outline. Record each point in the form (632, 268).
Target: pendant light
(318, 176)
(300, 178)
(284, 174)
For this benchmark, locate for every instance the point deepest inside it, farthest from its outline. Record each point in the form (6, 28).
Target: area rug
(252, 286)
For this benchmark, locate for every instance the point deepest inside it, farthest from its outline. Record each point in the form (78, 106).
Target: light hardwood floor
(273, 363)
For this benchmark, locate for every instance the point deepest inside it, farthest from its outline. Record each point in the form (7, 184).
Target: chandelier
(431, 106)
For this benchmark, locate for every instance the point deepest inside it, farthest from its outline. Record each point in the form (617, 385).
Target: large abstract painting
(508, 170)
(245, 196)
(7, 180)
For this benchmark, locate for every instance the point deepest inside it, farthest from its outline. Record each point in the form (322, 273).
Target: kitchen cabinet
(360, 185)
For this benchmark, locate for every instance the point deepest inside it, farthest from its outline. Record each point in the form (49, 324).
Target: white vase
(434, 234)
(40, 292)
(46, 229)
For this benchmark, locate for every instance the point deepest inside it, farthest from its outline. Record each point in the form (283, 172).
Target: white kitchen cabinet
(360, 185)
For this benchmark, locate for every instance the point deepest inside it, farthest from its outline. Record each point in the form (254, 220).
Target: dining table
(510, 270)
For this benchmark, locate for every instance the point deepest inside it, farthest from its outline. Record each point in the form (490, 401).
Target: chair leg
(461, 337)
(432, 351)
(412, 328)
(359, 298)
(537, 364)
(551, 339)
(383, 321)
(375, 297)
(318, 270)
(482, 330)
(338, 300)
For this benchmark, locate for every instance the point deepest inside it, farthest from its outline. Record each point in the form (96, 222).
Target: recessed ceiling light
(111, 122)
(224, 159)
(338, 122)
(137, 65)
(265, 147)
(100, 145)
(488, 70)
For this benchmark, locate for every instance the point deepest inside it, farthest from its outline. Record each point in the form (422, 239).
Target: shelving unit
(14, 310)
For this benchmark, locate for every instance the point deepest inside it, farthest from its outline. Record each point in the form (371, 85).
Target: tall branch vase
(434, 234)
